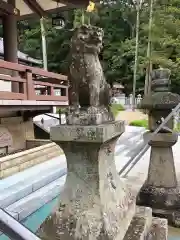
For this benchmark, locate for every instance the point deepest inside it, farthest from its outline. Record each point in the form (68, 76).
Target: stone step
(159, 229)
(33, 172)
(17, 162)
(129, 141)
(140, 224)
(15, 193)
(144, 226)
(31, 203)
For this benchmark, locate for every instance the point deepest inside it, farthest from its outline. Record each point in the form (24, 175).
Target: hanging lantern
(58, 22)
(16, 11)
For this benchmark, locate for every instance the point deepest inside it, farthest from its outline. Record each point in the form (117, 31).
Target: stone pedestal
(90, 116)
(95, 203)
(161, 167)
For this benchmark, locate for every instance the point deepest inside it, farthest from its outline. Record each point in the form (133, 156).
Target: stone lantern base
(161, 191)
(165, 203)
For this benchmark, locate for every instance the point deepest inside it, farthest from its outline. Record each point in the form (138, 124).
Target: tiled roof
(21, 56)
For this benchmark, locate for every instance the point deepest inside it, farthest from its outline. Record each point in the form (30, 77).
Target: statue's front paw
(93, 110)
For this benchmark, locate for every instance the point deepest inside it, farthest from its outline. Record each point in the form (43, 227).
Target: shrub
(63, 110)
(177, 128)
(116, 108)
(139, 123)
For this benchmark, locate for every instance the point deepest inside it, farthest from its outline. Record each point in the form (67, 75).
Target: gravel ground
(129, 116)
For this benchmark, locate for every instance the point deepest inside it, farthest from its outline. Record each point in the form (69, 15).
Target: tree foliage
(118, 19)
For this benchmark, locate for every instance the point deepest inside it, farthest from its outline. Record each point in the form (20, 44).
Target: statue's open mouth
(97, 40)
(92, 41)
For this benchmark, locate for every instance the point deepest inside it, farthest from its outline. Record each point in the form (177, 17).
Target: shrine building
(23, 99)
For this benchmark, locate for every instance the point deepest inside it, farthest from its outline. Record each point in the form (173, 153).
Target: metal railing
(13, 229)
(135, 160)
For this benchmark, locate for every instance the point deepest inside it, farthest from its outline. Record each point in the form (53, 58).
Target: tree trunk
(147, 87)
(136, 57)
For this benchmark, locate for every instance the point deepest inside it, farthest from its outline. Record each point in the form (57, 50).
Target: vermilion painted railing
(33, 83)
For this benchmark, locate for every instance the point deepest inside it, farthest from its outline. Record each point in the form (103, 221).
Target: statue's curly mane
(88, 87)
(87, 38)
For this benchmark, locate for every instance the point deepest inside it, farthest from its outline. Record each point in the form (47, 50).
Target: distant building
(117, 89)
(27, 90)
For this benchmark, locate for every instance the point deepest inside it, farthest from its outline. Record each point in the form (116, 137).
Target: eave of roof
(27, 8)
(22, 56)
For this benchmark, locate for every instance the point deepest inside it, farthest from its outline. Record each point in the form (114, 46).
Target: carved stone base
(158, 230)
(89, 116)
(165, 202)
(95, 203)
(144, 226)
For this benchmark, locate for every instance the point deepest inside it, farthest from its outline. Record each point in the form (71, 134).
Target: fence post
(130, 99)
(139, 98)
(30, 86)
(22, 85)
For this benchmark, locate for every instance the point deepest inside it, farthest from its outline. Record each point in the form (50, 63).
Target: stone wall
(32, 143)
(18, 162)
(14, 132)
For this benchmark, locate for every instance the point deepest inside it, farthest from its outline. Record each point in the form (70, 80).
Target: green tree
(118, 19)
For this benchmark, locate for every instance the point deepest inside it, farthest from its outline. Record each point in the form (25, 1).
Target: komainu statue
(89, 93)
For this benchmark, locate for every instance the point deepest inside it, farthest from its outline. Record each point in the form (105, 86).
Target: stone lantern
(160, 190)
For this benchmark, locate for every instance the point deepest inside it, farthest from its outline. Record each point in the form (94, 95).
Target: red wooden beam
(12, 66)
(51, 98)
(44, 73)
(36, 71)
(12, 79)
(48, 84)
(52, 80)
(12, 96)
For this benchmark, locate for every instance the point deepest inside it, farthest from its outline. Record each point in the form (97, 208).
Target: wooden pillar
(30, 86)
(11, 42)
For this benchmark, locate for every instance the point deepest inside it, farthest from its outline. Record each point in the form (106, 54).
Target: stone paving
(129, 116)
(128, 145)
